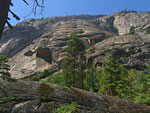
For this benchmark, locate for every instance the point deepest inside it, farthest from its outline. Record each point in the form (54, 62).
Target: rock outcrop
(47, 50)
(34, 97)
(35, 45)
(124, 21)
(121, 22)
(131, 50)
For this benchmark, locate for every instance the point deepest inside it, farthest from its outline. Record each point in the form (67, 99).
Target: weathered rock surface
(48, 49)
(121, 22)
(34, 97)
(35, 45)
(24, 33)
(124, 21)
(131, 50)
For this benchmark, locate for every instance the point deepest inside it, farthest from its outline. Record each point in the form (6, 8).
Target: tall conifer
(73, 64)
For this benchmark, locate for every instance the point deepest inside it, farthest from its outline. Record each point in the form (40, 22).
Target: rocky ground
(33, 97)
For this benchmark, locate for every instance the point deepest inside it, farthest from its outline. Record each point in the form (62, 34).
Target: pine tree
(82, 67)
(4, 67)
(142, 87)
(114, 79)
(91, 78)
(67, 66)
(74, 63)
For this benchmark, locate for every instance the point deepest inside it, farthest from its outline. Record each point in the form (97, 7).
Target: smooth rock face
(35, 45)
(47, 50)
(123, 21)
(140, 21)
(34, 97)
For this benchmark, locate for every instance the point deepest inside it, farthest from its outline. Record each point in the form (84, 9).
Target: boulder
(34, 97)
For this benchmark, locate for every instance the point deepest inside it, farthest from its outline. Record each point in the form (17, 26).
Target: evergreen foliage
(67, 67)
(56, 79)
(70, 108)
(91, 80)
(4, 67)
(141, 88)
(147, 30)
(113, 79)
(74, 64)
(81, 70)
(132, 30)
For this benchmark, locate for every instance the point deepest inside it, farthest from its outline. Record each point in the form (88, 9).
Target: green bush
(132, 30)
(6, 99)
(70, 108)
(56, 79)
(147, 31)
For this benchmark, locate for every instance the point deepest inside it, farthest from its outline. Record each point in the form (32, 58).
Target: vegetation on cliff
(112, 80)
(73, 65)
(4, 67)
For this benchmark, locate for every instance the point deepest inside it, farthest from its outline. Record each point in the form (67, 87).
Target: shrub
(56, 79)
(147, 31)
(132, 30)
(6, 99)
(70, 108)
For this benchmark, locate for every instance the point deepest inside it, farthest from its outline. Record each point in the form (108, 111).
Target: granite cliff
(35, 45)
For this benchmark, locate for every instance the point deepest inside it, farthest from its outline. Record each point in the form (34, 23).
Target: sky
(76, 7)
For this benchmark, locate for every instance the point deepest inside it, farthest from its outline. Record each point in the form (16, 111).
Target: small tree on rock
(4, 67)
(132, 30)
(147, 31)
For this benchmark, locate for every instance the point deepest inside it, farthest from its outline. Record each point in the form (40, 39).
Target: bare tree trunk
(4, 8)
(82, 75)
